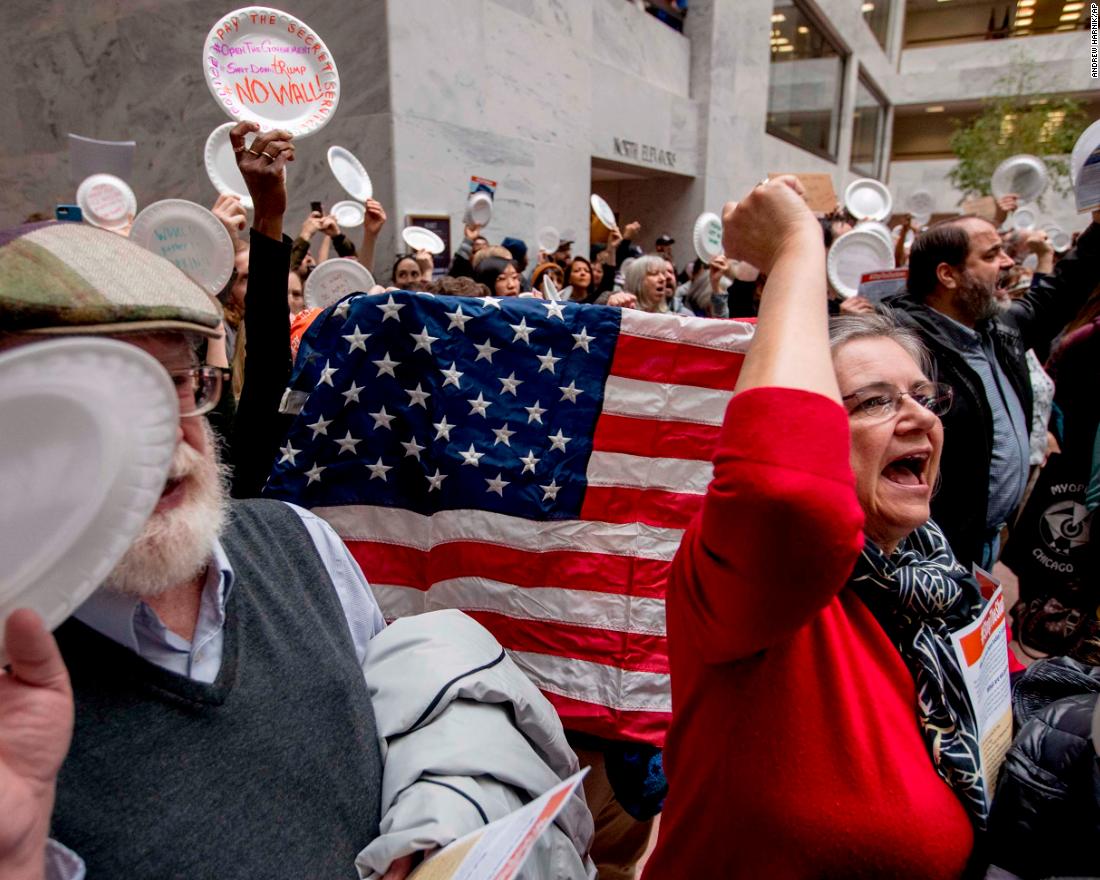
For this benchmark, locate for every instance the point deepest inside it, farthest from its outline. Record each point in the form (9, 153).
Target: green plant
(1017, 120)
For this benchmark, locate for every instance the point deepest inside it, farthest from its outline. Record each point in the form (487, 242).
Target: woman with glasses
(820, 725)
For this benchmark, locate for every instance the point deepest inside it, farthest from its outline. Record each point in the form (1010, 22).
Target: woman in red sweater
(810, 602)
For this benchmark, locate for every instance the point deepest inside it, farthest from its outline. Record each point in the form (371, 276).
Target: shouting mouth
(910, 469)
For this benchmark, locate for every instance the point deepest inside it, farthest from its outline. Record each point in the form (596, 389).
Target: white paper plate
(334, 279)
(603, 212)
(706, 236)
(855, 254)
(479, 209)
(419, 238)
(879, 229)
(867, 199)
(221, 165)
(266, 66)
(90, 427)
(1089, 141)
(350, 173)
(349, 214)
(106, 201)
(920, 203)
(1024, 217)
(548, 239)
(189, 236)
(1024, 175)
(1060, 240)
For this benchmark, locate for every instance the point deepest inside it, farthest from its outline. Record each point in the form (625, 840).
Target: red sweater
(794, 749)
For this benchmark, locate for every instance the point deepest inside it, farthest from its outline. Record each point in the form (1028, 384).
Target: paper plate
(855, 254)
(331, 281)
(479, 208)
(1086, 144)
(90, 427)
(350, 173)
(879, 229)
(867, 199)
(1024, 175)
(920, 203)
(268, 67)
(603, 211)
(221, 165)
(189, 236)
(419, 238)
(707, 236)
(548, 239)
(107, 201)
(1024, 217)
(1060, 240)
(349, 214)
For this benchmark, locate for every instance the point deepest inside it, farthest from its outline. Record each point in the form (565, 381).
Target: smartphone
(70, 213)
(316, 206)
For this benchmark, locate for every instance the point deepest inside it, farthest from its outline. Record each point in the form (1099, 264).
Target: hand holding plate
(263, 166)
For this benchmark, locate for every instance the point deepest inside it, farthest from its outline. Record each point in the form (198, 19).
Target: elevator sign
(647, 153)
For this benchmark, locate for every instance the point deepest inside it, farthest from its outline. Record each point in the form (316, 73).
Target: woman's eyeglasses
(881, 401)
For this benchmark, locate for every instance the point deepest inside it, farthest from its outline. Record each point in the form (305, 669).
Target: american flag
(533, 463)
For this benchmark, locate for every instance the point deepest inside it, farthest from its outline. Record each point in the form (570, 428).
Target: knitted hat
(67, 278)
(516, 247)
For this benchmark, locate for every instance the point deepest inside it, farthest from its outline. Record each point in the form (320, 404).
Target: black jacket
(1045, 819)
(959, 506)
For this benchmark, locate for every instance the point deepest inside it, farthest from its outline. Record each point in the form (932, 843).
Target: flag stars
(320, 427)
(490, 302)
(288, 452)
(503, 435)
(442, 429)
(314, 474)
(423, 340)
(471, 456)
(418, 396)
(554, 309)
(348, 444)
(356, 339)
(435, 482)
(385, 365)
(497, 485)
(479, 405)
(452, 376)
(458, 319)
(326, 375)
(390, 310)
(550, 492)
(522, 331)
(558, 441)
(378, 470)
(412, 448)
(509, 385)
(381, 418)
(352, 394)
(547, 361)
(341, 310)
(529, 461)
(485, 350)
(534, 413)
(570, 392)
(581, 340)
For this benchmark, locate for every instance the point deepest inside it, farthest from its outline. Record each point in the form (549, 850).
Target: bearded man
(978, 339)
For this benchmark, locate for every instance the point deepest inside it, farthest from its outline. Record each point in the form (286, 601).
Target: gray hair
(634, 274)
(881, 324)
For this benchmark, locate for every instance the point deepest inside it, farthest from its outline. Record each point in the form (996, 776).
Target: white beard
(176, 545)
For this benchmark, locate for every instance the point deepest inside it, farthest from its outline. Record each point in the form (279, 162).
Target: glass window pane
(877, 15)
(867, 129)
(804, 88)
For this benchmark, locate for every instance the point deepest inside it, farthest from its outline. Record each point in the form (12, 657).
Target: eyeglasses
(881, 401)
(199, 389)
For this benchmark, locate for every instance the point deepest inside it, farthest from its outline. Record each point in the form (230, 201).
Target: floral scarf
(920, 595)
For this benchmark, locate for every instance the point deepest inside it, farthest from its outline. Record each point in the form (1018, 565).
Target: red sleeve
(780, 528)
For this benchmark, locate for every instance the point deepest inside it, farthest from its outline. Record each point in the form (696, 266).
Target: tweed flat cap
(66, 278)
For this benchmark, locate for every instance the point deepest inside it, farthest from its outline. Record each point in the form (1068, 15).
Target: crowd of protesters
(876, 457)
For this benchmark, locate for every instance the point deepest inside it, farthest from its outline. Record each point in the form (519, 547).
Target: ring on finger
(253, 152)
(269, 157)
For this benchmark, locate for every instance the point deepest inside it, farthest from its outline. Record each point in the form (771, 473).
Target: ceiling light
(1073, 7)
(803, 29)
(867, 7)
(779, 16)
(936, 109)
(1023, 21)
(1070, 16)
(786, 48)
(1024, 4)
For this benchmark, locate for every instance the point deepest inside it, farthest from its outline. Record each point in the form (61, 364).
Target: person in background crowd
(472, 242)
(709, 299)
(314, 223)
(564, 253)
(462, 286)
(601, 278)
(294, 298)
(406, 273)
(553, 270)
(580, 286)
(373, 221)
(647, 286)
(496, 270)
(798, 746)
(955, 269)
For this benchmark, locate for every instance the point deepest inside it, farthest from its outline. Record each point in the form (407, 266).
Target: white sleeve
(62, 863)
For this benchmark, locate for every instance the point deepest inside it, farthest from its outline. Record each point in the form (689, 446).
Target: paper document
(982, 652)
(497, 851)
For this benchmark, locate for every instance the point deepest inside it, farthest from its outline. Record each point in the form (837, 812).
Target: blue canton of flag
(432, 403)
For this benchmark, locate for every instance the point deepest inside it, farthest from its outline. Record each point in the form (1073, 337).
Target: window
(868, 126)
(805, 85)
(877, 15)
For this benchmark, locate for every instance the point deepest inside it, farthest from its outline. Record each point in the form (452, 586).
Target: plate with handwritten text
(268, 67)
(189, 236)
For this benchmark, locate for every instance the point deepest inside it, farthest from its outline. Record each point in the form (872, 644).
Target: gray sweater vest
(271, 771)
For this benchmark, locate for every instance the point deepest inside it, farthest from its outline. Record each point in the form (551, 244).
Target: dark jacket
(1045, 819)
(959, 507)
